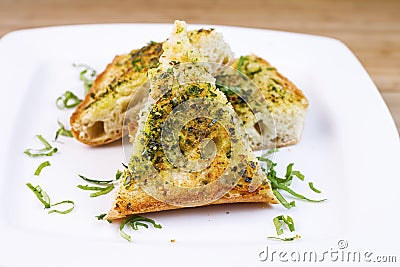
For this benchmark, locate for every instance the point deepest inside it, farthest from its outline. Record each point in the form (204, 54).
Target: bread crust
(149, 204)
(131, 70)
(285, 105)
(98, 84)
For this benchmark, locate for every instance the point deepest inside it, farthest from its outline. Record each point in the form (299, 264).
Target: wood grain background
(371, 28)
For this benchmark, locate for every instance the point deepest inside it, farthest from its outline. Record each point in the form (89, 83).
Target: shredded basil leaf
(95, 181)
(104, 191)
(40, 167)
(102, 216)
(45, 200)
(282, 200)
(90, 188)
(100, 190)
(63, 211)
(67, 100)
(228, 90)
(62, 131)
(105, 187)
(298, 175)
(283, 184)
(40, 194)
(285, 239)
(311, 185)
(48, 150)
(118, 174)
(134, 221)
(87, 76)
(268, 153)
(122, 233)
(275, 184)
(240, 65)
(279, 225)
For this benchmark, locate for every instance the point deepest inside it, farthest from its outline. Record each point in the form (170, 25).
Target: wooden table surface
(371, 28)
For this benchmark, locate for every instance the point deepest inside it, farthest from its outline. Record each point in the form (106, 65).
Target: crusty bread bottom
(149, 204)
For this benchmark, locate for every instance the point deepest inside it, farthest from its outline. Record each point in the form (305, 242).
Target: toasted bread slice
(98, 119)
(154, 182)
(286, 104)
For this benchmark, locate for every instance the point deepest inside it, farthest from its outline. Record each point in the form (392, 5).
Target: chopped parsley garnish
(134, 222)
(296, 237)
(67, 100)
(118, 174)
(62, 131)
(228, 90)
(280, 221)
(48, 150)
(87, 76)
(283, 184)
(103, 186)
(102, 216)
(41, 195)
(95, 181)
(63, 211)
(240, 65)
(99, 190)
(40, 167)
(311, 185)
(45, 200)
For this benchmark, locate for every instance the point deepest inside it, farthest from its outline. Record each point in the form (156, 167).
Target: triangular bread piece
(173, 164)
(285, 102)
(98, 119)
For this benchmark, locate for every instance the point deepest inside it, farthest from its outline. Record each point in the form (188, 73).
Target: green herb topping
(240, 65)
(45, 199)
(102, 216)
(286, 238)
(41, 166)
(135, 221)
(48, 150)
(62, 131)
(311, 185)
(283, 184)
(104, 186)
(67, 100)
(87, 76)
(280, 221)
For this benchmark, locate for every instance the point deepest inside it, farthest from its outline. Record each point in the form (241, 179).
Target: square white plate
(350, 149)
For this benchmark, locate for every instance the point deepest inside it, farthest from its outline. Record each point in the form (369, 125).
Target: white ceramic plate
(350, 149)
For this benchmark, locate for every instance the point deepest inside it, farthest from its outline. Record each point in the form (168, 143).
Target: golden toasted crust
(135, 201)
(128, 203)
(289, 89)
(100, 82)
